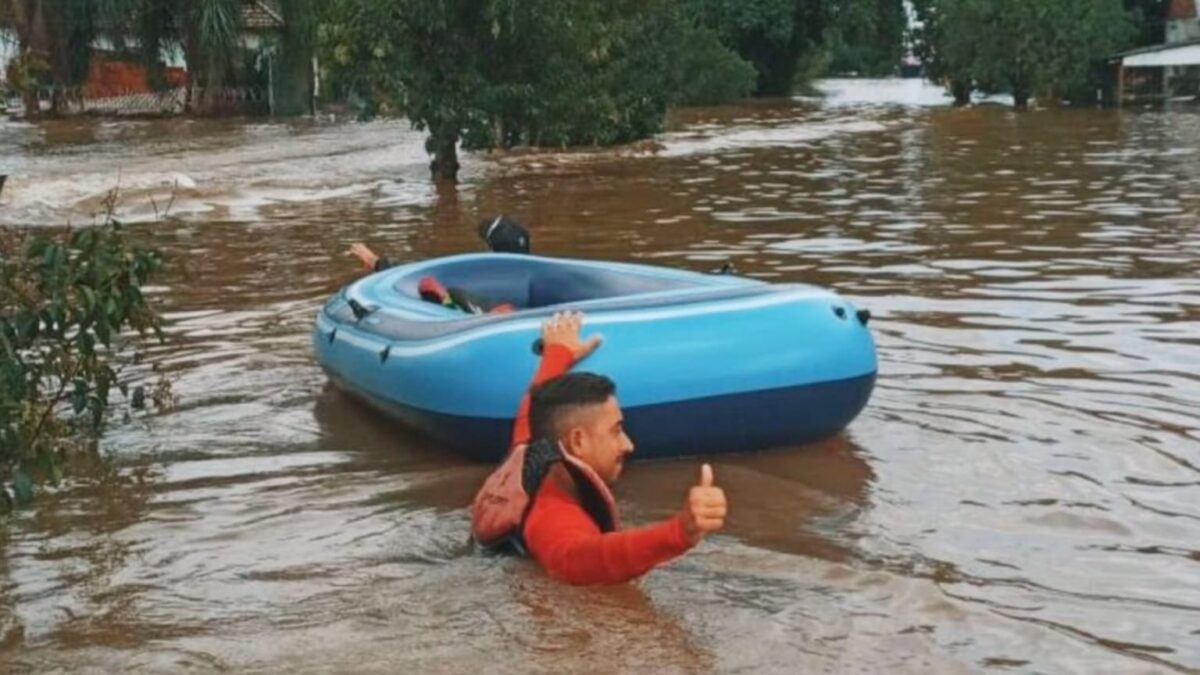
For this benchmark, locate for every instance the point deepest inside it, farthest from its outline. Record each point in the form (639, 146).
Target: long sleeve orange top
(565, 540)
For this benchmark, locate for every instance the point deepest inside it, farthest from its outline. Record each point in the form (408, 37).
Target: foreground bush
(71, 312)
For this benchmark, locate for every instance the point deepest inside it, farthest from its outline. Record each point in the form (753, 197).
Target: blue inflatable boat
(703, 363)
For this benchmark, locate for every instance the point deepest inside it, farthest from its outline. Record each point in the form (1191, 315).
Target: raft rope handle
(360, 312)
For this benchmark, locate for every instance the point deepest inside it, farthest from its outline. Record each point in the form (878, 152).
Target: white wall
(8, 50)
(1183, 30)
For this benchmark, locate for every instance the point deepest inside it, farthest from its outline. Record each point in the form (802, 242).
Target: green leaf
(79, 399)
(22, 487)
(86, 343)
(89, 298)
(103, 332)
(53, 257)
(51, 467)
(27, 326)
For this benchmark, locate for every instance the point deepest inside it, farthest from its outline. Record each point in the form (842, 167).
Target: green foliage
(360, 58)
(773, 35)
(65, 300)
(217, 24)
(1149, 20)
(867, 37)
(1025, 47)
(500, 73)
(709, 72)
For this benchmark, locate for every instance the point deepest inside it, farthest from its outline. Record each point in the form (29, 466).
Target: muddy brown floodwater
(1021, 494)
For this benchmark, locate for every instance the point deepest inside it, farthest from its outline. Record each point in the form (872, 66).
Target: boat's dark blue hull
(719, 424)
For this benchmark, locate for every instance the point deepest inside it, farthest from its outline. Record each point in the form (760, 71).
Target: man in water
(502, 235)
(572, 528)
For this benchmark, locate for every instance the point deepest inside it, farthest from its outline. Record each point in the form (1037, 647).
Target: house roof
(1185, 53)
(261, 15)
(1182, 9)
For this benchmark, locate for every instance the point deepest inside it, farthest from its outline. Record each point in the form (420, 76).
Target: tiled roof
(261, 15)
(1182, 9)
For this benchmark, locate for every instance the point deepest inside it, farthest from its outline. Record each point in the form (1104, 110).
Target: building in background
(268, 69)
(1166, 72)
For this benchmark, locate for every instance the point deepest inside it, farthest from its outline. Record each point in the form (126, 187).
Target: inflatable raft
(703, 363)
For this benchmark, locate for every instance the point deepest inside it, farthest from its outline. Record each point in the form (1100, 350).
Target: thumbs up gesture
(704, 510)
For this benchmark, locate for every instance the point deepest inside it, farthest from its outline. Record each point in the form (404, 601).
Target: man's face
(597, 437)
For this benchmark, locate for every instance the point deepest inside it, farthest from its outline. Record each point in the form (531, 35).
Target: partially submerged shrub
(68, 301)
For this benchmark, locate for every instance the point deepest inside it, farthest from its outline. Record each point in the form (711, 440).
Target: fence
(203, 100)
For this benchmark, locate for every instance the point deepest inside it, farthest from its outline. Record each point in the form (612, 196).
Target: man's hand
(364, 254)
(563, 329)
(704, 510)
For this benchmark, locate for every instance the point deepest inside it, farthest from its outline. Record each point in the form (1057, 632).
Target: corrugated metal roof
(1160, 56)
(261, 15)
(1157, 48)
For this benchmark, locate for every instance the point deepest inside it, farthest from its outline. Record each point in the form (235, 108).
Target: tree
(708, 72)
(867, 36)
(27, 18)
(500, 73)
(773, 35)
(209, 30)
(945, 60)
(1149, 19)
(1025, 47)
(297, 46)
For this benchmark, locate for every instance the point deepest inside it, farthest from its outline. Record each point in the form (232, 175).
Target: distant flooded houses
(1165, 72)
(264, 68)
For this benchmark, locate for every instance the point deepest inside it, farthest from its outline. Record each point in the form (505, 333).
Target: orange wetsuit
(561, 535)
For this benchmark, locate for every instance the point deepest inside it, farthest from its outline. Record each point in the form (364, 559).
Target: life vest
(506, 498)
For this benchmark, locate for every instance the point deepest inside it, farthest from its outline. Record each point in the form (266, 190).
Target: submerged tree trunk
(58, 45)
(443, 144)
(29, 96)
(293, 79)
(961, 90)
(1020, 93)
(191, 62)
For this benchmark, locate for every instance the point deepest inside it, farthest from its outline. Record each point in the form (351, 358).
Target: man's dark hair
(504, 235)
(551, 402)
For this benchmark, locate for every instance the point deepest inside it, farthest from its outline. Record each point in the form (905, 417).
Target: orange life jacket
(502, 504)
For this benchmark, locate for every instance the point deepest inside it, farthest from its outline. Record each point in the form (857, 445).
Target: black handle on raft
(358, 310)
(864, 315)
(538, 346)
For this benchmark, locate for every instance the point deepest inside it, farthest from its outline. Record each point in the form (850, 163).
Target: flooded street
(1022, 493)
